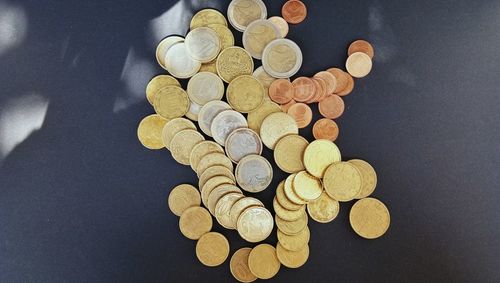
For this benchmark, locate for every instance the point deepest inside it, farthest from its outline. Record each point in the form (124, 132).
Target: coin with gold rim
(255, 224)
(171, 102)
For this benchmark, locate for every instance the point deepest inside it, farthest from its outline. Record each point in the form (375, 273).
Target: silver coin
(282, 58)
(254, 173)
(242, 142)
(224, 123)
(240, 205)
(258, 35)
(179, 63)
(205, 87)
(208, 113)
(281, 24)
(241, 13)
(163, 46)
(203, 44)
(255, 224)
(194, 110)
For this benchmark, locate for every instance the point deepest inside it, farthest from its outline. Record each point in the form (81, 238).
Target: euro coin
(342, 181)
(194, 110)
(306, 186)
(361, 46)
(240, 205)
(195, 222)
(212, 159)
(242, 142)
(179, 63)
(285, 214)
(157, 83)
(239, 266)
(225, 35)
(216, 170)
(263, 261)
(330, 80)
(211, 184)
(289, 152)
(218, 193)
(265, 79)
(183, 143)
(149, 131)
(209, 67)
(294, 11)
(319, 155)
(292, 259)
(283, 200)
(331, 107)
(212, 249)
(208, 113)
(202, 149)
(255, 224)
(294, 242)
(203, 44)
(323, 209)
(243, 12)
(303, 89)
(173, 127)
(205, 87)
(282, 58)
(368, 177)
(275, 126)
(280, 24)
(245, 93)
(171, 102)
(254, 173)
(163, 46)
(257, 116)
(290, 192)
(341, 77)
(223, 207)
(233, 62)
(349, 88)
(207, 17)
(325, 129)
(257, 36)
(301, 113)
(183, 197)
(358, 64)
(291, 227)
(281, 91)
(369, 218)
(224, 123)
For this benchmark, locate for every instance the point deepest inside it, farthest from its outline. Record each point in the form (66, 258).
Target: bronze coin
(331, 107)
(294, 11)
(361, 46)
(350, 86)
(302, 114)
(342, 79)
(330, 80)
(321, 92)
(325, 129)
(281, 91)
(303, 89)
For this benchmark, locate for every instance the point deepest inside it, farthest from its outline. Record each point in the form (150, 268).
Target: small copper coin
(302, 114)
(320, 90)
(325, 129)
(349, 88)
(303, 89)
(331, 107)
(330, 80)
(294, 11)
(361, 46)
(342, 79)
(239, 266)
(285, 107)
(281, 91)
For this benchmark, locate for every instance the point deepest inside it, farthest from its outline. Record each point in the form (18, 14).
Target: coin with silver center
(203, 44)
(254, 173)
(242, 142)
(208, 113)
(224, 123)
(241, 13)
(179, 63)
(205, 87)
(282, 58)
(257, 35)
(163, 46)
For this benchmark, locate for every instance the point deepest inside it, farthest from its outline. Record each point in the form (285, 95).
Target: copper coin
(281, 91)
(303, 89)
(321, 94)
(302, 114)
(325, 129)
(361, 46)
(331, 107)
(286, 106)
(330, 80)
(294, 11)
(319, 88)
(350, 86)
(342, 78)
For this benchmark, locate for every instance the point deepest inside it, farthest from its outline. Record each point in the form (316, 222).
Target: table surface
(82, 201)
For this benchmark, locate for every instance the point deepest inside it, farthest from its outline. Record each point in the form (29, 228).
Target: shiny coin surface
(240, 205)
(255, 224)
(212, 249)
(179, 63)
(183, 143)
(254, 173)
(369, 218)
(292, 227)
(358, 64)
(285, 214)
(233, 62)
(216, 170)
(195, 222)
(303, 89)
(368, 177)
(275, 126)
(243, 12)
(301, 113)
(263, 261)
(173, 127)
(306, 186)
(242, 142)
(218, 193)
(205, 87)
(183, 197)
(361, 46)
(294, 11)
(342, 181)
(239, 266)
(282, 58)
(330, 80)
(281, 91)
(213, 159)
(157, 83)
(294, 242)
(264, 78)
(171, 102)
(323, 209)
(257, 36)
(226, 122)
(194, 110)
(256, 117)
(213, 183)
(163, 46)
(331, 107)
(288, 153)
(325, 129)
(223, 207)
(280, 24)
(225, 35)
(202, 149)
(319, 155)
(292, 259)
(341, 77)
(283, 200)
(149, 131)
(245, 93)
(208, 113)
(290, 192)
(203, 44)
(207, 17)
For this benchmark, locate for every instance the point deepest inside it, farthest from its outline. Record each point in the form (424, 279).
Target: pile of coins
(262, 107)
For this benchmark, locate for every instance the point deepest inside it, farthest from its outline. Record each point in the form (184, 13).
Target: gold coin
(291, 227)
(223, 207)
(285, 214)
(254, 173)
(225, 35)
(209, 67)
(239, 266)
(275, 126)
(218, 193)
(149, 131)
(239, 206)
(358, 64)
(207, 17)
(255, 224)
(233, 62)
(171, 102)
(212, 159)
(294, 243)
(183, 143)
(319, 155)
(257, 116)
(283, 200)
(205, 87)
(242, 142)
(194, 222)
(212, 249)
(292, 259)
(323, 209)
(290, 192)
(173, 127)
(217, 170)
(211, 184)
(289, 153)
(157, 83)
(163, 46)
(368, 177)
(257, 36)
(306, 186)
(243, 12)
(342, 181)
(245, 93)
(369, 218)
(183, 197)
(263, 261)
(265, 79)
(202, 149)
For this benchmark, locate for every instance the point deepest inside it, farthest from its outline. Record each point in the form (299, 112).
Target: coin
(368, 177)
(223, 207)
(369, 218)
(179, 63)
(283, 200)
(173, 127)
(331, 107)
(194, 110)
(256, 117)
(207, 17)
(233, 62)
(282, 58)
(291, 227)
(239, 266)
(325, 129)
(358, 64)
(149, 131)
(330, 80)
(171, 102)
(257, 36)
(289, 191)
(245, 93)
(183, 143)
(203, 44)
(323, 209)
(218, 193)
(294, 11)
(205, 87)
(264, 78)
(281, 91)
(255, 224)
(275, 126)
(342, 181)
(319, 155)
(341, 77)
(224, 123)
(292, 259)
(202, 149)
(288, 153)
(301, 113)
(242, 142)
(225, 35)
(213, 183)
(285, 214)
(294, 242)
(195, 222)
(361, 46)
(212, 159)
(349, 88)
(163, 46)
(306, 186)
(319, 90)
(254, 173)
(280, 24)
(242, 12)
(208, 113)
(212, 249)
(183, 197)
(216, 170)
(287, 106)
(240, 205)
(209, 67)
(303, 89)
(157, 83)
(263, 261)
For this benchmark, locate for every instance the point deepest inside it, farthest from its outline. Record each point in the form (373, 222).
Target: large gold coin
(319, 155)
(212, 159)
(306, 186)
(173, 127)
(202, 149)
(212, 249)
(255, 224)
(157, 83)
(368, 177)
(323, 209)
(149, 131)
(342, 181)
(289, 191)
(257, 36)
(245, 93)
(217, 170)
(275, 126)
(240, 205)
(225, 35)
(263, 261)
(211, 184)
(233, 62)
(285, 214)
(183, 143)
(239, 266)
(223, 207)
(171, 102)
(369, 218)
(207, 17)
(194, 222)
(218, 193)
(291, 227)
(283, 200)
(294, 243)
(183, 197)
(289, 153)
(257, 116)
(292, 259)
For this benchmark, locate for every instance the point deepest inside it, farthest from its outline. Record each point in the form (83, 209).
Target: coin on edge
(149, 131)
(173, 127)
(224, 123)
(243, 12)
(216, 170)
(212, 249)
(275, 126)
(223, 207)
(295, 242)
(306, 186)
(242, 142)
(179, 63)
(285, 214)
(369, 218)
(183, 197)
(233, 62)
(157, 83)
(171, 102)
(240, 205)
(208, 113)
(207, 17)
(239, 266)
(205, 87)
(195, 222)
(282, 58)
(292, 259)
(263, 261)
(289, 151)
(323, 209)
(245, 93)
(202, 149)
(203, 44)
(256, 117)
(319, 155)
(255, 224)
(342, 181)
(257, 36)
(291, 227)
(183, 143)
